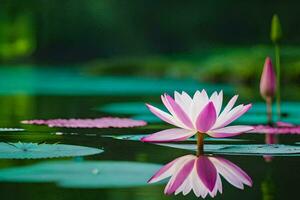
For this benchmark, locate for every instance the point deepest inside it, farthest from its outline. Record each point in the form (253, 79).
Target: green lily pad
(243, 149)
(83, 174)
(34, 151)
(138, 138)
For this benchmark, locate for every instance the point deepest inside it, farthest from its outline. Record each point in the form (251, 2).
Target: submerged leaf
(243, 149)
(83, 174)
(104, 122)
(34, 151)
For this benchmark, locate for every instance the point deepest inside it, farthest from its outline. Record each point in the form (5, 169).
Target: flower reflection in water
(270, 139)
(200, 174)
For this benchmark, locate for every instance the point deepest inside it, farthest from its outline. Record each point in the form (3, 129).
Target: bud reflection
(200, 174)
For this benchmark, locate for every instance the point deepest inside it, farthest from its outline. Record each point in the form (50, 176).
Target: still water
(29, 93)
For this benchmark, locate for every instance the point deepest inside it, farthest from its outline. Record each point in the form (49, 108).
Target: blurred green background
(213, 38)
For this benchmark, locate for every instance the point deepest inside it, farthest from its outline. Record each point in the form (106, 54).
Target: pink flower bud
(268, 80)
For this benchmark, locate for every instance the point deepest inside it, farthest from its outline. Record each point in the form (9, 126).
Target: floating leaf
(83, 174)
(33, 150)
(104, 122)
(243, 149)
(138, 138)
(11, 129)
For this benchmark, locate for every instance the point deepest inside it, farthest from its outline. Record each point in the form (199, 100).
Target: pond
(107, 164)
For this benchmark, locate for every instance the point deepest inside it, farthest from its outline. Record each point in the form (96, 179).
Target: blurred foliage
(78, 30)
(214, 65)
(156, 66)
(17, 32)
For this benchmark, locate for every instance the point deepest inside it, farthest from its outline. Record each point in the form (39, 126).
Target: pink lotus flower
(268, 80)
(200, 175)
(199, 113)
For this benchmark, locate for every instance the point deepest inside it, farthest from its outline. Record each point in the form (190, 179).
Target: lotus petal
(206, 172)
(217, 100)
(236, 170)
(206, 118)
(179, 178)
(173, 134)
(232, 115)
(229, 131)
(161, 114)
(179, 112)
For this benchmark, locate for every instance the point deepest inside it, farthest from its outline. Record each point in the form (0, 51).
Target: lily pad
(83, 174)
(34, 151)
(104, 122)
(243, 149)
(11, 129)
(138, 138)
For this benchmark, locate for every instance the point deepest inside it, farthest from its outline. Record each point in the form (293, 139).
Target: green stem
(277, 59)
(269, 109)
(200, 144)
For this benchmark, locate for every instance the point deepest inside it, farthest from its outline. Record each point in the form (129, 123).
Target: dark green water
(43, 94)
